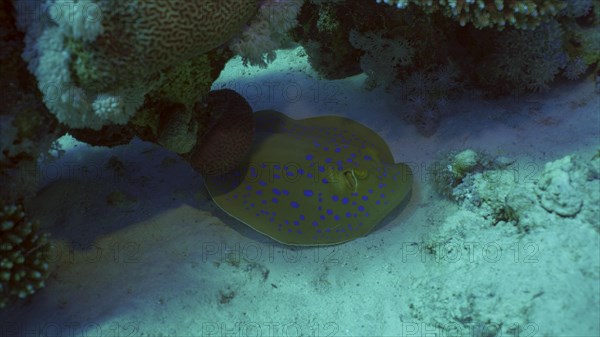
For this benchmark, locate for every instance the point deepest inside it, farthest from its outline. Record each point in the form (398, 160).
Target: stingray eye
(350, 179)
(361, 174)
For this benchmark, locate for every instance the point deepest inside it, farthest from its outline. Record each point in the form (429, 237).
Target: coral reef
(188, 81)
(71, 104)
(139, 39)
(96, 68)
(500, 232)
(502, 195)
(323, 31)
(27, 129)
(424, 96)
(448, 171)
(182, 88)
(393, 48)
(491, 13)
(23, 255)
(267, 32)
(527, 59)
(229, 136)
(381, 57)
(109, 135)
(511, 47)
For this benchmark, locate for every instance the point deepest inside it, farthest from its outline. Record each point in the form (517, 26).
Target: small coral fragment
(451, 169)
(23, 255)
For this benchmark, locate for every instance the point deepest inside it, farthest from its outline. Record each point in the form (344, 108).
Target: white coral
(73, 105)
(79, 19)
(118, 108)
(49, 60)
(67, 102)
(267, 32)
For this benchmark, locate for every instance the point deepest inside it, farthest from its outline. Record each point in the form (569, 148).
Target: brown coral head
(229, 136)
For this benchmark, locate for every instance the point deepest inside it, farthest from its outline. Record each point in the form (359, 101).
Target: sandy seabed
(140, 250)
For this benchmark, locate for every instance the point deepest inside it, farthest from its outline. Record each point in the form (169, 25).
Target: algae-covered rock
(451, 168)
(556, 191)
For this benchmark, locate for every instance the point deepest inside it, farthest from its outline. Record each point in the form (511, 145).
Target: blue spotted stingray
(316, 181)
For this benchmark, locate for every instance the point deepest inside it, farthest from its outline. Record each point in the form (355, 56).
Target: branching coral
(528, 59)
(267, 32)
(424, 96)
(23, 255)
(382, 57)
(490, 13)
(423, 55)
